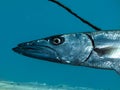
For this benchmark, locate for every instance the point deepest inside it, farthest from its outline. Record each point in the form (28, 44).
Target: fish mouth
(39, 52)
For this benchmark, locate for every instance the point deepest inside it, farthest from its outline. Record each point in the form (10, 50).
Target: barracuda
(100, 49)
(96, 49)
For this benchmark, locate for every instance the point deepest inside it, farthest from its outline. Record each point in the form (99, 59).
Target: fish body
(99, 49)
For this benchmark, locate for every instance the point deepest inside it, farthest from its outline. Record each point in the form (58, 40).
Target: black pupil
(56, 40)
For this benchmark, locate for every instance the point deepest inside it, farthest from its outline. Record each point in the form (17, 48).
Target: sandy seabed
(7, 85)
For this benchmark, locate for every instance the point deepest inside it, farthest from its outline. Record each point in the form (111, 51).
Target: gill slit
(93, 44)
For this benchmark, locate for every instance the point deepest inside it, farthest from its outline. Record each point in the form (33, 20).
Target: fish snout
(38, 49)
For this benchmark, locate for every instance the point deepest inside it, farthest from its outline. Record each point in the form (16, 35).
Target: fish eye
(57, 40)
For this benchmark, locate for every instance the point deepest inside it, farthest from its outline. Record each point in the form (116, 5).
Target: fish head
(65, 48)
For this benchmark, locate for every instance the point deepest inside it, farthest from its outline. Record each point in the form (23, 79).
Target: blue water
(26, 20)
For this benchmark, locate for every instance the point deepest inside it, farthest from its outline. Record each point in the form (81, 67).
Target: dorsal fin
(77, 16)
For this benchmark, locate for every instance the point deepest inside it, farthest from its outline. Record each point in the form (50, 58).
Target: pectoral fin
(111, 53)
(108, 52)
(103, 51)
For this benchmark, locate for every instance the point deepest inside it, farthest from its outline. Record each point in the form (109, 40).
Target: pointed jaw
(40, 51)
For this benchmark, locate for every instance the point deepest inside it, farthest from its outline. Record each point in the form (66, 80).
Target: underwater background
(26, 20)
